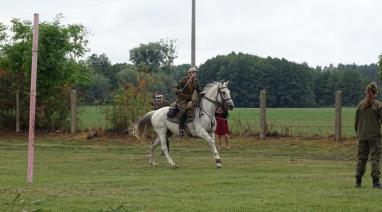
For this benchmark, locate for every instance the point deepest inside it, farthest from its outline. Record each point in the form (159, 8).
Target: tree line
(288, 84)
(62, 66)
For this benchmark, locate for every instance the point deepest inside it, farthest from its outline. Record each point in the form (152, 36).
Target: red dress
(221, 121)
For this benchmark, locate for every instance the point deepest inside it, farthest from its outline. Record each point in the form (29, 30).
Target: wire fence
(292, 121)
(245, 121)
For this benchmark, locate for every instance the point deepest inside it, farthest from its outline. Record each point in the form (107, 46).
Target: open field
(293, 121)
(72, 174)
(286, 121)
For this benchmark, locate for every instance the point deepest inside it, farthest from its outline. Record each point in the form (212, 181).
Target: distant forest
(288, 84)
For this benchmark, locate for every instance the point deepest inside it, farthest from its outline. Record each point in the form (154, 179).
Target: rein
(215, 102)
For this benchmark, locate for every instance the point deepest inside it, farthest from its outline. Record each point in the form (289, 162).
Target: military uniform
(185, 90)
(367, 126)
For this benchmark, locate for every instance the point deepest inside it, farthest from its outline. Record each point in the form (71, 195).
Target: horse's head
(218, 93)
(224, 95)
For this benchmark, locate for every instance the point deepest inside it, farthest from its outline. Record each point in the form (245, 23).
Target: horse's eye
(223, 92)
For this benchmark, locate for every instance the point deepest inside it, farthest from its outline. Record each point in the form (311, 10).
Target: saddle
(173, 115)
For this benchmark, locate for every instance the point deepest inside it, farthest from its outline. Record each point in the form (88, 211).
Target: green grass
(293, 121)
(92, 117)
(286, 121)
(72, 174)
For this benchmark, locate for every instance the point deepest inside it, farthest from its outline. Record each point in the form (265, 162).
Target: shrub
(128, 104)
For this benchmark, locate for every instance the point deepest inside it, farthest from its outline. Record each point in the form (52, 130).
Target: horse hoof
(174, 166)
(152, 164)
(219, 165)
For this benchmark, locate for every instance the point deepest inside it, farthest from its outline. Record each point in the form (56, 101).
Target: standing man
(184, 91)
(368, 128)
(159, 102)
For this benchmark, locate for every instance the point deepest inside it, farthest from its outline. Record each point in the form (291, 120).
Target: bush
(128, 104)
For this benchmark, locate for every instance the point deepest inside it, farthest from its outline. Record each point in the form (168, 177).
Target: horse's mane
(210, 85)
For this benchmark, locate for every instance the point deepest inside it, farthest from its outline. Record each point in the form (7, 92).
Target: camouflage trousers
(372, 146)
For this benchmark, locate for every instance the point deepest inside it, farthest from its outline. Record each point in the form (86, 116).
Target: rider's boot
(182, 122)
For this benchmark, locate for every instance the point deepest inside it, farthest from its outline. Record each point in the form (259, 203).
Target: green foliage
(128, 75)
(3, 35)
(380, 66)
(128, 105)
(154, 56)
(7, 99)
(59, 68)
(287, 84)
(103, 82)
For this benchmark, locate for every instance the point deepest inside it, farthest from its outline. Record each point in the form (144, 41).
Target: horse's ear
(226, 83)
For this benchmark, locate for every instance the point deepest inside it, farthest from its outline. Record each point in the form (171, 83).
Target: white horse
(203, 125)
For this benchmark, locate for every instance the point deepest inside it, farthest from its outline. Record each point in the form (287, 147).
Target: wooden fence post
(17, 111)
(263, 117)
(73, 107)
(338, 119)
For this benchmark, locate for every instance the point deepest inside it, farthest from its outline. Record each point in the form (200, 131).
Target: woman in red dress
(221, 115)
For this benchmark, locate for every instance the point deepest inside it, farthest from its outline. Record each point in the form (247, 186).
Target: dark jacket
(188, 88)
(367, 122)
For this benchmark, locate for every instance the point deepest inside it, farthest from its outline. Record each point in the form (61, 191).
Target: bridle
(216, 102)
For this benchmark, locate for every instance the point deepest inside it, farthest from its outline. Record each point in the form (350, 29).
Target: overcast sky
(319, 32)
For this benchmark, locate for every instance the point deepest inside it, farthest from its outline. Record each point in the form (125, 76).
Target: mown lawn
(111, 174)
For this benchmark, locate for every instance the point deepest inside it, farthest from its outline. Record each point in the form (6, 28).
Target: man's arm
(198, 89)
(380, 112)
(356, 120)
(179, 86)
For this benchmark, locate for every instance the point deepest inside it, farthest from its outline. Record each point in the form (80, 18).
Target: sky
(318, 32)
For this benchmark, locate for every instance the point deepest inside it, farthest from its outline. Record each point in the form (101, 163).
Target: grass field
(286, 121)
(90, 117)
(293, 121)
(72, 174)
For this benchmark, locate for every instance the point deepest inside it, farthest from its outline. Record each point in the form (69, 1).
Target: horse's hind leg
(153, 145)
(163, 140)
(168, 134)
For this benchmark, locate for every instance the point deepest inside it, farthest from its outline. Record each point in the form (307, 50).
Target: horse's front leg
(211, 142)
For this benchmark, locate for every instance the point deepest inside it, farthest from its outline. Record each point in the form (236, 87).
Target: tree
(351, 86)
(380, 66)
(128, 104)
(287, 84)
(59, 67)
(155, 56)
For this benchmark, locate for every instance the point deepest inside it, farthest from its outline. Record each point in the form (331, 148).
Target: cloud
(318, 32)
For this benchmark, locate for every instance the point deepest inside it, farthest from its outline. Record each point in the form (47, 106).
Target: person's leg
(375, 155)
(226, 141)
(182, 122)
(362, 156)
(220, 142)
(181, 105)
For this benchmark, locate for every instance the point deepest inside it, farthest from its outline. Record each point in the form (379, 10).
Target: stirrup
(181, 132)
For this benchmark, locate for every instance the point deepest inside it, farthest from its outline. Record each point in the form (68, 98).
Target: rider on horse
(184, 92)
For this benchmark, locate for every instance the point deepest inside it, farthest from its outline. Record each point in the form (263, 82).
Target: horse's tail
(143, 124)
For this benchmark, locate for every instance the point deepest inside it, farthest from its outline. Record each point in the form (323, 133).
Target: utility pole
(193, 35)
(32, 104)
